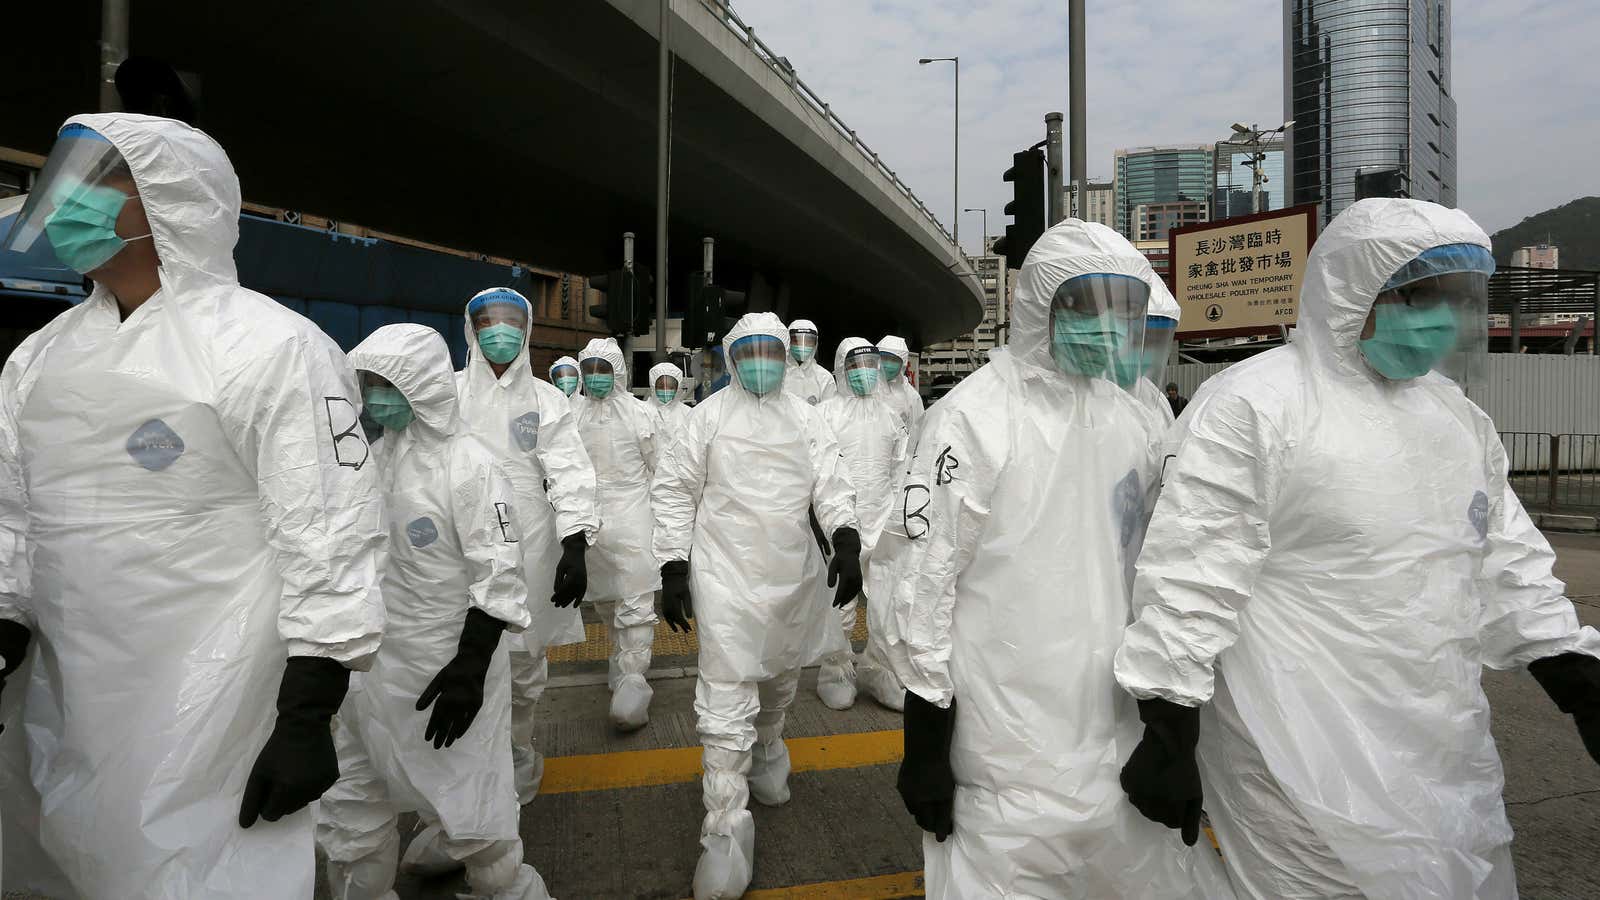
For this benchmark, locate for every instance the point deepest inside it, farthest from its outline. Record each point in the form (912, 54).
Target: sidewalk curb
(1557, 522)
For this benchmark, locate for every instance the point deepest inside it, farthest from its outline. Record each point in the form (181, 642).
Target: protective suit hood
(660, 369)
(897, 345)
(750, 324)
(415, 359)
(608, 350)
(563, 361)
(1070, 248)
(1162, 303)
(189, 191)
(843, 383)
(1352, 259)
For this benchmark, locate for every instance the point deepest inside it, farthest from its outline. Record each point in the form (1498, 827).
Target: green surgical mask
(83, 227)
(388, 407)
(862, 381)
(1083, 344)
(501, 342)
(1408, 341)
(891, 366)
(598, 386)
(567, 383)
(666, 396)
(760, 376)
(801, 354)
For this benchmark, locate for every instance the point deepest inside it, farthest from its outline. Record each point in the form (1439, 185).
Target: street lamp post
(985, 236)
(955, 177)
(1250, 135)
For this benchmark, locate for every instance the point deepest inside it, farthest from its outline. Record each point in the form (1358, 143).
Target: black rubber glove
(1573, 681)
(816, 532)
(845, 569)
(459, 685)
(298, 762)
(677, 606)
(14, 638)
(926, 783)
(1162, 777)
(572, 573)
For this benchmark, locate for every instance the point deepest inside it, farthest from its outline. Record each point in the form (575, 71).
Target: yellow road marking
(878, 887)
(641, 768)
(667, 642)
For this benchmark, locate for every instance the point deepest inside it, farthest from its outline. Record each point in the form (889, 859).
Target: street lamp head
(1286, 126)
(924, 61)
(1241, 128)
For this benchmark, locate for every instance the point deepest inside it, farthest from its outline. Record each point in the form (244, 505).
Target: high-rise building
(1147, 176)
(1099, 205)
(1367, 83)
(1233, 182)
(956, 359)
(1152, 221)
(1538, 256)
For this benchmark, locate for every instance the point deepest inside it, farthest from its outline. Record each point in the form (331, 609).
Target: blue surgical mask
(666, 396)
(598, 385)
(501, 342)
(891, 366)
(83, 227)
(760, 376)
(567, 383)
(1082, 344)
(388, 407)
(862, 381)
(1408, 341)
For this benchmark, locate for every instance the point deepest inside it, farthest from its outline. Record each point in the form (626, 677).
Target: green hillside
(1575, 228)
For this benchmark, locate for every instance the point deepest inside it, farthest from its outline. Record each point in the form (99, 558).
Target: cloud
(1170, 73)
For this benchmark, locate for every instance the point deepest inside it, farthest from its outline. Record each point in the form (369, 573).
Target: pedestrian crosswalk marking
(643, 768)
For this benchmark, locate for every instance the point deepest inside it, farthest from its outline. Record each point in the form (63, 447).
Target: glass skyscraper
(1367, 83)
(1153, 176)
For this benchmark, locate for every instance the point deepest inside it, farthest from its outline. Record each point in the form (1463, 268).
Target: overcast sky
(1173, 72)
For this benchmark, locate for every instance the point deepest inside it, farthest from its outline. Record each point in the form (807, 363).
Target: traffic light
(644, 306)
(1380, 183)
(1027, 207)
(616, 306)
(710, 311)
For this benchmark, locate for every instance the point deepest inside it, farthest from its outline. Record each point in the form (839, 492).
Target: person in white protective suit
(898, 391)
(806, 380)
(531, 425)
(730, 497)
(1335, 556)
(875, 446)
(619, 433)
(1003, 567)
(452, 585)
(1160, 332)
(191, 527)
(667, 387)
(564, 375)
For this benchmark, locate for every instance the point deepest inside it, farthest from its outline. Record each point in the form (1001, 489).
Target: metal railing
(781, 65)
(1554, 471)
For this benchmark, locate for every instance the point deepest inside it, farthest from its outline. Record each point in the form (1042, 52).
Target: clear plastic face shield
(666, 388)
(890, 365)
(1097, 324)
(1160, 334)
(861, 370)
(598, 377)
(802, 344)
(81, 197)
(758, 363)
(565, 377)
(1433, 315)
(500, 321)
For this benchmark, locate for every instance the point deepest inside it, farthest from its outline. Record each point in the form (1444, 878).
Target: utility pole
(113, 50)
(1079, 160)
(663, 147)
(1054, 197)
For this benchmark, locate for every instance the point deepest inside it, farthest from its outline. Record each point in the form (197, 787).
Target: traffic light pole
(1079, 160)
(1052, 152)
(663, 146)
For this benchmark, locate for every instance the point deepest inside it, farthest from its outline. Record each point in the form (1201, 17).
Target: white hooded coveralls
(734, 488)
(899, 391)
(875, 447)
(806, 381)
(1003, 567)
(1334, 558)
(191, 495)
(529, 423)
(670, 417)
(1150, 395)
(564, 361)
(619, 433)
(453, 545)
